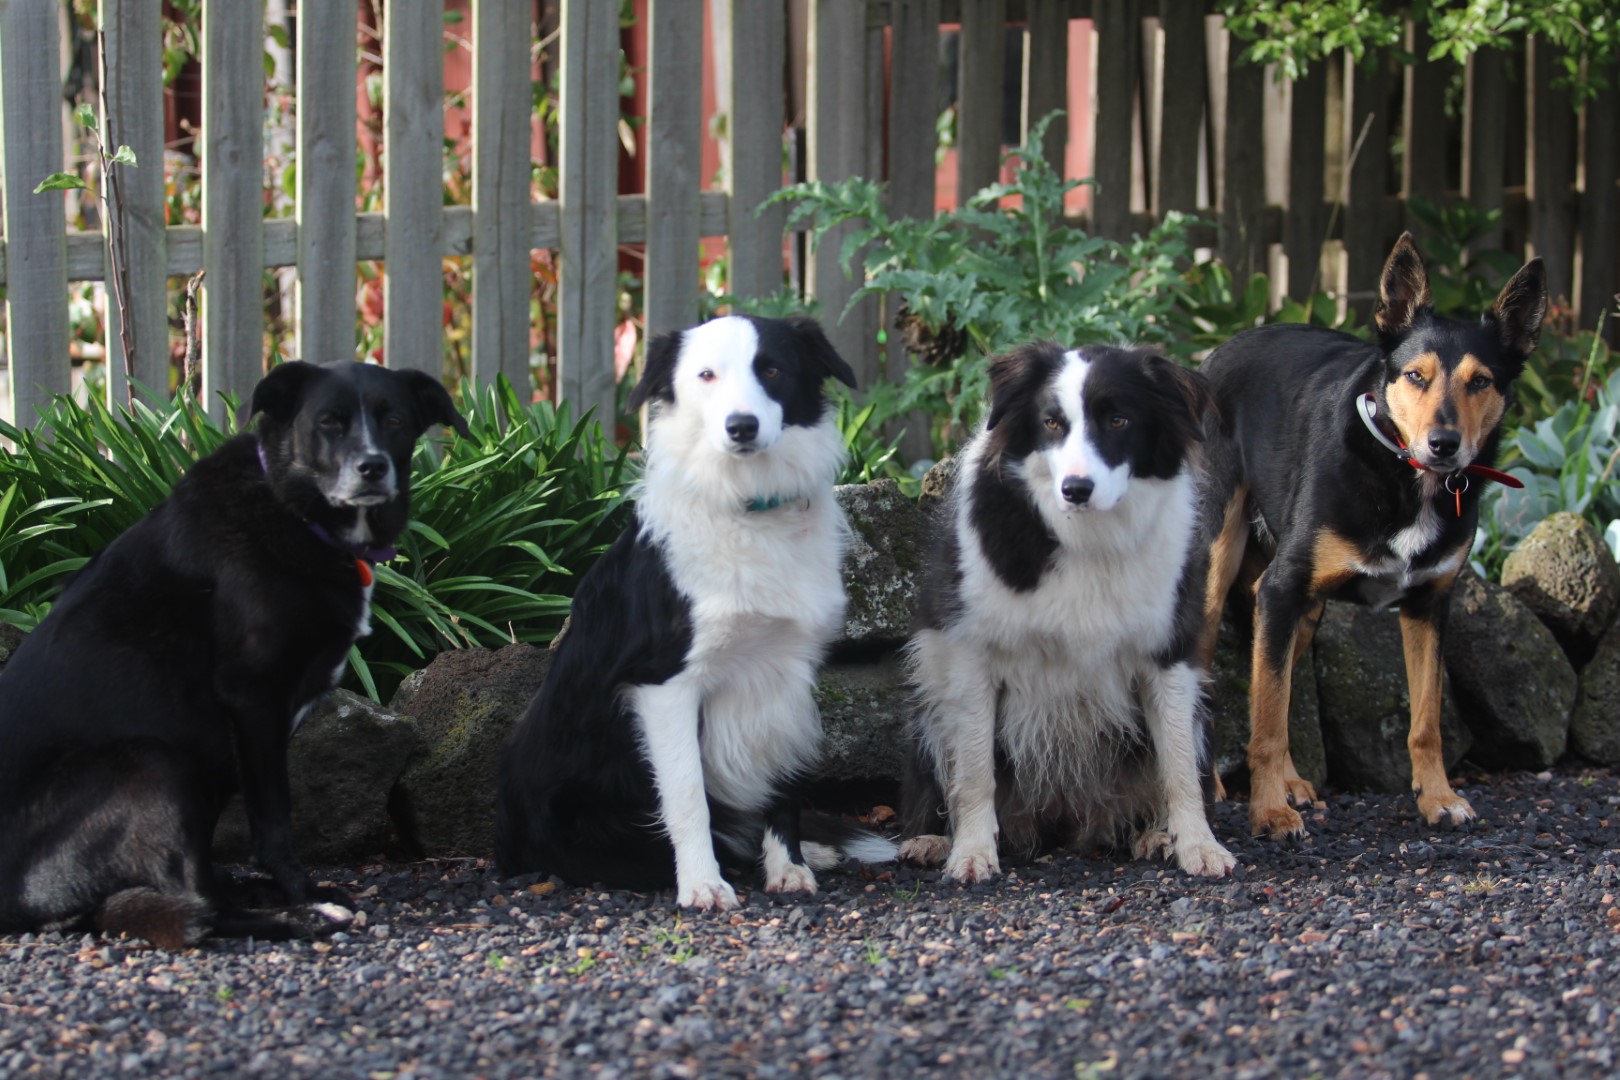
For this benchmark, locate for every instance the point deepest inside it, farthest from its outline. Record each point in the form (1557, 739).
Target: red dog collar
(1455, 482)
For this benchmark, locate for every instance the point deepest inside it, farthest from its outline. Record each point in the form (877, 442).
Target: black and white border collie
(678, 711)
(1059, 698)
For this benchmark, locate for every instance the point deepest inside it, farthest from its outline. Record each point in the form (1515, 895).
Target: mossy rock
(1594, 727)
(883, 568)
(1565, 573)
(864, 711)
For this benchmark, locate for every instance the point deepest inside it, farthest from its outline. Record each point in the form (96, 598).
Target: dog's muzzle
(1076, 490)
(742, 429)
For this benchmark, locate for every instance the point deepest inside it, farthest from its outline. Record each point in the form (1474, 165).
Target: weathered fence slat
(1552, 178)
(1424, 163)
(325, 287)
(1118, 64)
(982, 65)
(1184, 95)
(755, 116)
(589, 239)
(132, 115)
(413, 189)
(232, 202)
(1046, 74)
(1243, 172)
(36, 257)
(1600, 212)
(838, 146)
(1305, 224)
(502, 104)
(1484, 140)
(674, 161)
(1366, 232)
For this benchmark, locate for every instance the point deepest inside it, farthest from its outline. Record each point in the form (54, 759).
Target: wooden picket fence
(1171, 124)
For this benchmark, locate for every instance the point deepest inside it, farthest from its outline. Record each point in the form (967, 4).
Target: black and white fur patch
(1058, 699)
(678, 709)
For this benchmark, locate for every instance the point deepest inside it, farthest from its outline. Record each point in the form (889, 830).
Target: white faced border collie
(1054, 652)
(678, 712)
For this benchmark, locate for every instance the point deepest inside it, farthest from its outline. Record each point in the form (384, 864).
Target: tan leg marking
(1437, 802)
(1225, 559)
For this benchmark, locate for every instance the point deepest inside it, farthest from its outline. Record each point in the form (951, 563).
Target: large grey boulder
(342, 764)
(1594, 728)
(884, 565)
(936, 486)
(864, 710)
(1366, 704)
(465, 704)
(1514, 686)
(1565, 573)
(1229, 708)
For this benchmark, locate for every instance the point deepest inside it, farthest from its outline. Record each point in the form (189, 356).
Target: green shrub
(987, 276)
(501, 522)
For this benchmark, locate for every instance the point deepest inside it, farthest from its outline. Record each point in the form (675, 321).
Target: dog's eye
(1416, 379)
(769, 371)
(1118, 422)
(329, 422)
(1053, 424)
(1480, 382)
(706, 375)
(393, 421)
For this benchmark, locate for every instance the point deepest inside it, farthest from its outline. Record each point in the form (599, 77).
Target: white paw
(925, 850)
(1204, 858)
(970, 866)
(335, 913)
(1151, 842)
(716, 895)
(791, 878)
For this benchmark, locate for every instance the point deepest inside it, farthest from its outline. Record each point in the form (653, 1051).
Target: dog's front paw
(316, 920)
(1276, 822)
(716, 895)
(1204, 858)
(925, 850)
(972, 866)
(1300, 792)
(791, 878)
(1445, 808)
(1151, 842)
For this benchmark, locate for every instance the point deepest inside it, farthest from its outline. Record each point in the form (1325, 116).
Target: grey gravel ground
(1379, 947)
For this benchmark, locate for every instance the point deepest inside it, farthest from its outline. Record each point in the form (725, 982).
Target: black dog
(177, 664)
(1352, 471)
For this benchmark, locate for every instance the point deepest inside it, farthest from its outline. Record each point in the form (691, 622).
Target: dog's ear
(818, 351)
(1008, 373)
(1188, 394)
(278, 393)
(1403, 290)
(432, 402)
(657, 371)
(1518, 311)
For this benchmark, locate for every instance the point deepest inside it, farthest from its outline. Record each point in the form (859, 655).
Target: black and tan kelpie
(1349, 470)
(177, 664)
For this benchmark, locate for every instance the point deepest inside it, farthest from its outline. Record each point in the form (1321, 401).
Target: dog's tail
(828, 841)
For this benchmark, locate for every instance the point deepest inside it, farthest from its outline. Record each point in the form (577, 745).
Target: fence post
(132, 114)
(753, 102)
(1305, 224)
(502, 127)
(587, 193)
(982, 67)
(35, 225)
(413, 185)
(233, 202)
(1243, 168)
(674, 161)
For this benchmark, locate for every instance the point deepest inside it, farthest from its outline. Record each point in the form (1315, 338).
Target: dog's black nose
(1077, 489)
(373, 467)
(742, 427)
(1444, 443)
